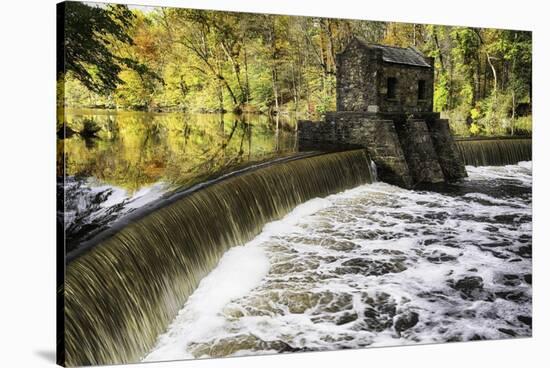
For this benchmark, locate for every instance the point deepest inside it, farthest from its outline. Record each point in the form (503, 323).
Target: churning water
(121, 293)
(372, 266)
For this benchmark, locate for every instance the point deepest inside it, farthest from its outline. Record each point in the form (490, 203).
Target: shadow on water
(494, 188)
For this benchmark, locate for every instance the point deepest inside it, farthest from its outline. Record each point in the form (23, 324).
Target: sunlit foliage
(208, 61)
(131, 149)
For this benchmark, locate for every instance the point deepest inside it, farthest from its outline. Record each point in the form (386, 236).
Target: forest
(172, 59)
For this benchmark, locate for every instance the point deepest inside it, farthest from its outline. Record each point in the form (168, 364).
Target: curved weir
(122, 293)
(494, 151)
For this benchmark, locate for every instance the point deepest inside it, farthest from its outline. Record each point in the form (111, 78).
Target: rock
(526, 320)
(346, 318)
(405, 321)
(469, 285)
(507, 332)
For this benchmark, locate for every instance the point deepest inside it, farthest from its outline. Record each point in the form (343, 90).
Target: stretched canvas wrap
(241, 184)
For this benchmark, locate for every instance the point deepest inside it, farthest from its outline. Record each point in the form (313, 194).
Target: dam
(159, 259)
(329, 243)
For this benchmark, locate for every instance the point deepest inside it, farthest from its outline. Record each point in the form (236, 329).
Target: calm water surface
(133, 158)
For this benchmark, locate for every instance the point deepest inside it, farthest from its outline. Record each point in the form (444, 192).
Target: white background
(27, 179)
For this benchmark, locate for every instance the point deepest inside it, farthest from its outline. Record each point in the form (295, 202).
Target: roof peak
(398, 55)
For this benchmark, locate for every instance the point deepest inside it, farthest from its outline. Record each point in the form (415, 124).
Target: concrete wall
(448, 155)
(346, 130)
(419, 151)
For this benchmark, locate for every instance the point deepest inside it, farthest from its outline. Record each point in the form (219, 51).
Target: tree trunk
(275, 90)
(495, 86)
(439, 53)
(513, 112)
(294, 90)
(237, 70)
(247, 84)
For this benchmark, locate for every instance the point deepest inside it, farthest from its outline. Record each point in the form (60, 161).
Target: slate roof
(399, 55)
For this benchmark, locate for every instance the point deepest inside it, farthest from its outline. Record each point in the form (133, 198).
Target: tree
(88, 34)
(214, 61)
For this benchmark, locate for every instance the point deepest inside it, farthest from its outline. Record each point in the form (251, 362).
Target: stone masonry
(384, 104)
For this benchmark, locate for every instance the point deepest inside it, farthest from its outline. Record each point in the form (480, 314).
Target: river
(134, 158)
(376, 265)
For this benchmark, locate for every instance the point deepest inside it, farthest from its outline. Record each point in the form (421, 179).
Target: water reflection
(115, 162)
(135, 149)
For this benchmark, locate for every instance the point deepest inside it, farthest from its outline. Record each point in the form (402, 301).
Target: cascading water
(374, 171)
(376, 265)
(494, 152)
(122, 293)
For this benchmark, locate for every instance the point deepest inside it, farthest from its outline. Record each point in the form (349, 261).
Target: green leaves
(202, 60)
(90, 32)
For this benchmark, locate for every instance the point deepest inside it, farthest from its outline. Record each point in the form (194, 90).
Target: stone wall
(406, 151)
(361, 82)
(449, 157)
(419, 151)
(380, 139)
(356, 71)
(407, 88)
(346, 130)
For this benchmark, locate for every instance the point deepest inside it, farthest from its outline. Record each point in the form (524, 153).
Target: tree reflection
(135, 149)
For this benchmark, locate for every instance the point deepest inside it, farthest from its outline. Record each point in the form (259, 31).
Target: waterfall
(494, 152)
(374, 171)
(122, 293)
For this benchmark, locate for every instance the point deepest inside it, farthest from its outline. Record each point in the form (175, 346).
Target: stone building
(384, 100)
(377, 78)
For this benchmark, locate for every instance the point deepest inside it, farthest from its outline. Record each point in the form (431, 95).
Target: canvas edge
(60, 200)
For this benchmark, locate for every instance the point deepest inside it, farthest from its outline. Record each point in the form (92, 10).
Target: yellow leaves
(144, 148)
(146, 45)
(399, 34)
(474, 129)
(475, 113)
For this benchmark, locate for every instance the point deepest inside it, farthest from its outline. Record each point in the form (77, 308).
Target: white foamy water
(374, 266)
(92, 205)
